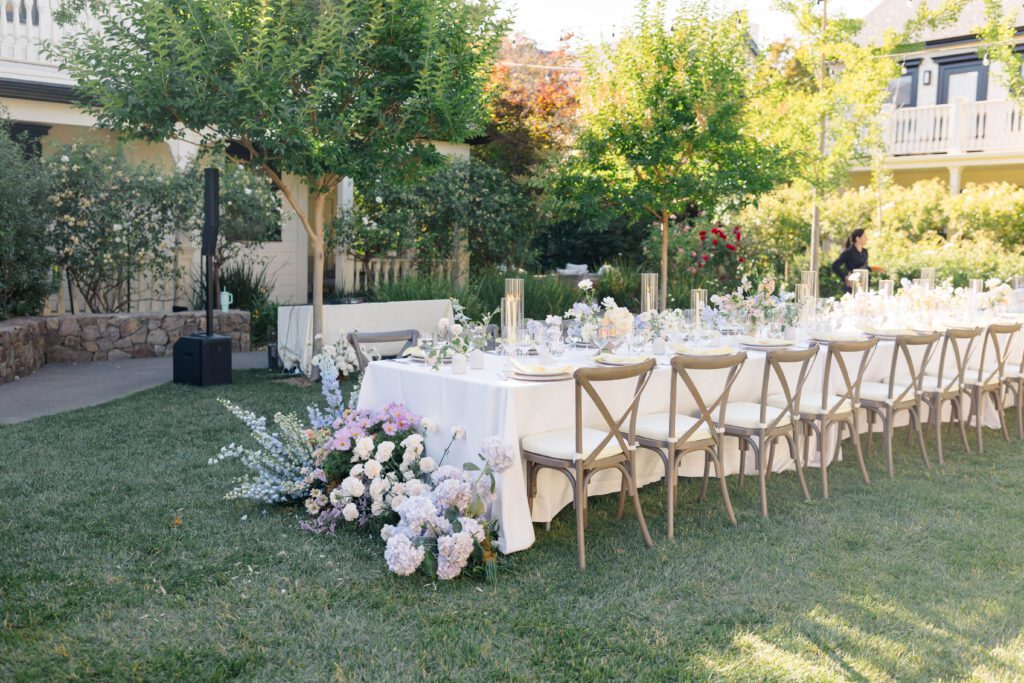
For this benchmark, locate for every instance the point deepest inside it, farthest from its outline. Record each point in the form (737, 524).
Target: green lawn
(119, 559)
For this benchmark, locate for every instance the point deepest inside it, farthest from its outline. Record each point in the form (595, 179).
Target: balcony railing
(956, 128)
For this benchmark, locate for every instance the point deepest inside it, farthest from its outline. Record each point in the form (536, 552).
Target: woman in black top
(854, 257)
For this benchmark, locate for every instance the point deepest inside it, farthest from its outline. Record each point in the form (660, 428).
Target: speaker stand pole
(210, 293)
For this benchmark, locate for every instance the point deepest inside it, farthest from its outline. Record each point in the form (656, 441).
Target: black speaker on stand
(205, 359)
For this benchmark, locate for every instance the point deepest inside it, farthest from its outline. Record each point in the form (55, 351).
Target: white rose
(364, 447)
(443, 323)
(428, 424)
(371, 469)
(456, 330)
(459, 432)
(377, 489)
(427, 465)
(378, 508)
(353, 487)
(356, 471)
(350, 512)
(384, 450)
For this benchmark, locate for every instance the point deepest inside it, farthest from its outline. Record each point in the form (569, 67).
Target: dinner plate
(699, 351)
(825, 338)
(762, 343)
(619, 361)
(540, 378)
(541, 370)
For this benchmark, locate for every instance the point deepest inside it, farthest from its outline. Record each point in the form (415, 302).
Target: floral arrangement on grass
(370, 469)
(344, 356)
(443, 530)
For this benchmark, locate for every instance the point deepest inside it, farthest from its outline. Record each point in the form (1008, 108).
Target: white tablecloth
(486, 404)
(295, 325)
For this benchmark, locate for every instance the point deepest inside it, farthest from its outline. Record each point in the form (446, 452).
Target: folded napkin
(838, 336)
(699, 351)
(417, 352)
(541, 369)
(612, 359)
(752, 341)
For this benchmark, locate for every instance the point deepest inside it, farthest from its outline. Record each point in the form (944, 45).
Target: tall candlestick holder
(928, 274)
(515, 294)
(886, 288)
(810, 278)
(698, 302)
(863, 277)
(648, 292)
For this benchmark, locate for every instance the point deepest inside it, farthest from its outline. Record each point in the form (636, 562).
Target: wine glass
(574, 334)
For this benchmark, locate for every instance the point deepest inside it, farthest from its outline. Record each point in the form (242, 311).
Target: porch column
(955, 174)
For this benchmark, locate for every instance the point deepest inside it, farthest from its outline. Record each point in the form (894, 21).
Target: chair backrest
(836, 358)
(773, 367)
(586, 379)
(901, 351)
(995, 351)
(356, 339)
(956, 353)
(684, 368)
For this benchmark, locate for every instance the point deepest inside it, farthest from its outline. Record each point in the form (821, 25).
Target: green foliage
(316, 89)
(457, 200)
(959, 258)
(997, 209)
(27, 259)
(251, 211)
(920, 211)
(665, 125)
(701, 254)
(114, 221)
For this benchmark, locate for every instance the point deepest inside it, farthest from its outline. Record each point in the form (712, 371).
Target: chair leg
(997, 397)
(771, 460)
(648, 541)
(823, 460)
(761, 480)
(871, 430)
(1018, 391)
(623, 489)
(976, 414)
(707, 474)
(915, 424)
(720, 473)
(937, 419)
(887, 430)
(855, 435)
(795, 455)
(671, 479)
(743, 461)
(958, 405)
(579, 495)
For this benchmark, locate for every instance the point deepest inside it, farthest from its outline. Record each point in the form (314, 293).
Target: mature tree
(534, 105)
(664, 125)
(27, 259)
(320, 89)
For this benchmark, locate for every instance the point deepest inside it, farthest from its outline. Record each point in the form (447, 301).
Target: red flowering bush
(701, 254)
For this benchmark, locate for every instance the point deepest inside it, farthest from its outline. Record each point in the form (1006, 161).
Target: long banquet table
(486, 403)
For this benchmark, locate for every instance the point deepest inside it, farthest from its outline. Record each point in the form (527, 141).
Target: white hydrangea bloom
(453, 553)
(402, 556)
(353, 487)
(499, 456)
(350, 512)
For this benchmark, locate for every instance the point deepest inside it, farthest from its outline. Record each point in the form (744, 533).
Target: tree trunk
(663, 285)
(317, 242)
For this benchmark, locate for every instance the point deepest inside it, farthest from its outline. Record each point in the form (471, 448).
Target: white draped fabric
(486, 404)
(295, 325)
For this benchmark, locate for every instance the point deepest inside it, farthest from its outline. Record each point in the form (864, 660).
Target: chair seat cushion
(810, 403)
(562, 444)
(971, 380)
(879, 391)
(655, 427)
(930, 383)
(746, 415)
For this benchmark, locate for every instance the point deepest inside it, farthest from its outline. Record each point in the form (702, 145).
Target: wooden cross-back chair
(760, 425)
(673, 435)
(581, 452)
(901, 391)
(818, 412)
(987, 378)
(357, 339)
(947, 383)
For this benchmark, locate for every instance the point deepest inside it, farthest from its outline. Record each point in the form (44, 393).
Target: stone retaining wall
(27, 343)
(22, 347)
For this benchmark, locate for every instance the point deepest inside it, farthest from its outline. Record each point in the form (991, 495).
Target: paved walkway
(59, 387)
